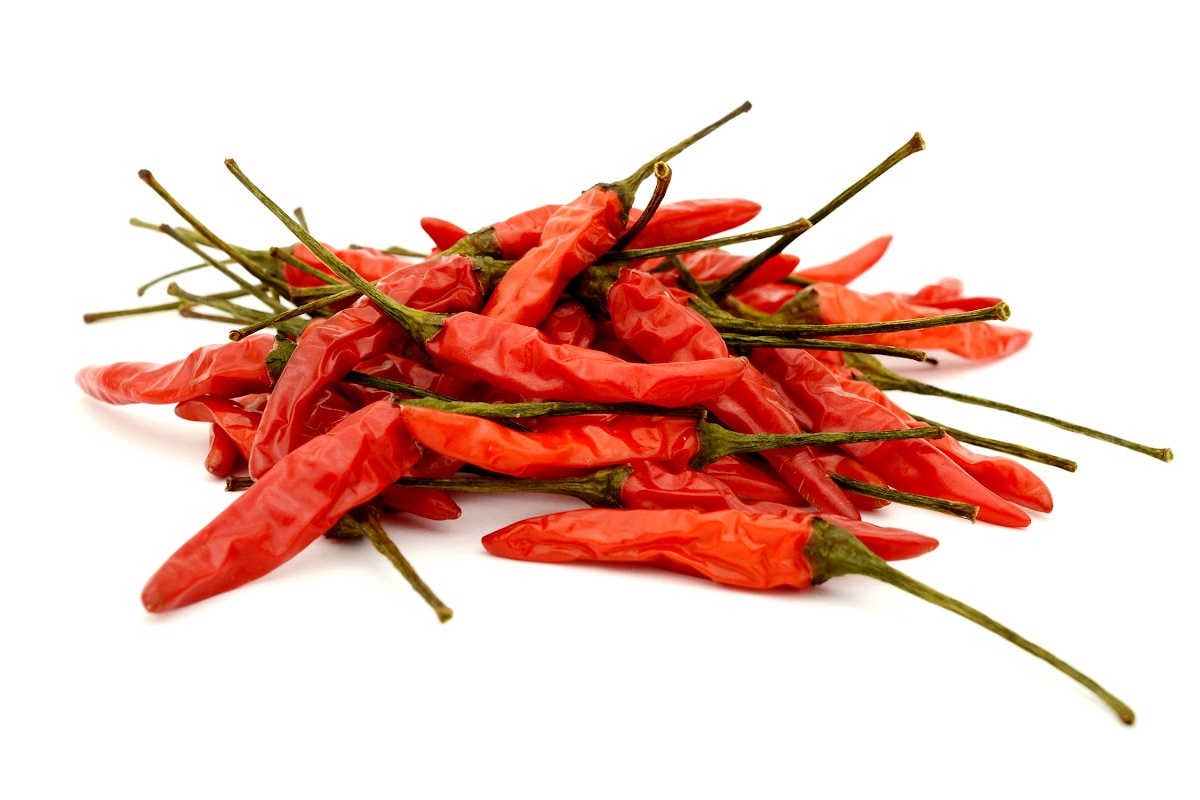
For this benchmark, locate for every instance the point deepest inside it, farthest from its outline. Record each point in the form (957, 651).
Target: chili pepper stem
(727, 322)
(368, 517)
(833, 551)
(796, 227)
(662, 179)
(883, 378)
(1008, 448)
(743, 340)
(422, 325)
(534, 408)
(717, 441)
(626, 188)
(954, 507)
(600, 488)
(299, 310)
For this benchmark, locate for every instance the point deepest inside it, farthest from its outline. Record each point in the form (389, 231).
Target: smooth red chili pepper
(324, 354)
(372, 264)
(767, 298)
(975, 340)
(220, 370)
(740, 549)
(752, 482)
(518, 359)
(223, 456)
(910, 465)
(712, 265)
(428, 503)
(658, 327)
(848, 267)
(444, 234)
(288, 508)
(569, 323)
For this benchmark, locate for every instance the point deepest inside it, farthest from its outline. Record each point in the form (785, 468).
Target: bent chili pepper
(235, 422)
(288, 508)
(575, 236)
(230, 369)
(657, 327)
(739, 549)
(848, 267)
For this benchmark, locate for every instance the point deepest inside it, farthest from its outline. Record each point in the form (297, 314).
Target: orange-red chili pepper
(288, 508)
(372, 264)
(443, 234)
(848, 267)
(569, 323)
(234, 422)
(230, 369)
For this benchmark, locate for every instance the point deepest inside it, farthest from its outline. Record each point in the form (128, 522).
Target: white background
(1061, 175)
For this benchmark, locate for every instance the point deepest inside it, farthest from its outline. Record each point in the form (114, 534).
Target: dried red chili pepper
(368, 262)
(658, 327)
(848, 267)
(230, 369)
(752, 482)
(288, 508)
(443, 234)
(739, 549)
(569, 323)
(689, 220)
(910, 465)
(326, 353)
(575, 236)
(223, 456)
(432, 504)
(234, 420)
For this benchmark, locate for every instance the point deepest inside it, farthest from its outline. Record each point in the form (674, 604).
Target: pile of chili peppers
(724, 415)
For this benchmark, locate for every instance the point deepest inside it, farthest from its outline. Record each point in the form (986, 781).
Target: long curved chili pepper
(443, 234)
(848, 267)
(288, 508)
(739, 549)
(689, 220)
(657, 327)
(368, 262)
(575, 236)
(230, 369)
(909, 465)
(649, 485)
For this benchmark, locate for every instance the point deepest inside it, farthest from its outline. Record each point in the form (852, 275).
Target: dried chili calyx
(832, 551)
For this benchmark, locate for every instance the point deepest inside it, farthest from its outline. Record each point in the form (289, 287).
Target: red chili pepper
(658, 327)
(221, 370)
(287, 509)
(232, 418)
(837, 463)
(739, 549)
(569, 323)
(911, 465)
(324, 354)
(444, 234)
(1007, 478)
(223, 457)
(372, 264)
(428, 503)
(691, 220)
(518, 359)
(752, 482)
(848, 267)
(976, 340)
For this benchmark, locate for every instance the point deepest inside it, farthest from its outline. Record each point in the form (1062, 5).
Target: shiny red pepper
(288, 508)
(848, 267)
(220, 370)
(235, 425)
(372, 264)
(569, 323)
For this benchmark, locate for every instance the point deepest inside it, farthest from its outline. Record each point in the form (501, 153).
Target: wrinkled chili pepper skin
(287, 509)
(569, 323)
(751, 551)
(692, 220)
(236, 421)
(653, 485)
(752, 482)
(230, 369)
(560, 446)
(522, 232)
(1010, 479)
(325, 353)
(574, 237)
(657, 327)
(518, 359)
(433, 504)
(912, 465)
(974, 340)
(223, 456)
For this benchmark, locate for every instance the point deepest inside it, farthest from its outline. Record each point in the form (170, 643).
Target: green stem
(141, 290)
(240, 312)
(953, 507)
(662, 179)
(274, 321)
(717, 441)
(742, 340)
(537, 409)
(601, 488)
(797, 227)
(1009, 448)
(833, 551)
(395, 250)
(626, 188)
(421, 325)
(726, 322)
(368, 518)
(883, 378)
(258, 292)
(284, 255)
(395, 387)
(96, 316)
(233, 252)
(298, 213)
